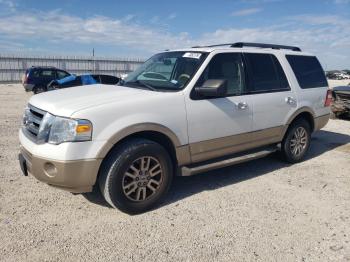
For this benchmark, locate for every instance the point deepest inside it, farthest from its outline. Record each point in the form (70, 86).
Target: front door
(220, 126)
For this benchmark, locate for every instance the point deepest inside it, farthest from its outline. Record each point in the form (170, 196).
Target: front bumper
(76, 176)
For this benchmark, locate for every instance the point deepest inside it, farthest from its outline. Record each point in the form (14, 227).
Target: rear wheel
(136, 176)
(296, 142)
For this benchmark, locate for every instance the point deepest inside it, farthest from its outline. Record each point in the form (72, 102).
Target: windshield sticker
(174, 81)
(192, 55)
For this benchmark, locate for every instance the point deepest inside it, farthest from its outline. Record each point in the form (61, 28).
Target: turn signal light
(83, 128)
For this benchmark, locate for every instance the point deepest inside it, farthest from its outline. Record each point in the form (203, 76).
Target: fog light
(50, 169)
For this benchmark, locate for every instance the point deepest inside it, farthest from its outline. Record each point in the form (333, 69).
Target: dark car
(341, 100)
(37, 78)
(86, 79)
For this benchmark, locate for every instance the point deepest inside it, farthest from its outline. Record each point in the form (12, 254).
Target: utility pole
(93, 59)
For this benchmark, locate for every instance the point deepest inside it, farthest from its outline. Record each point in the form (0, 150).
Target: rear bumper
(321, 121)
(76, 176)
(28, 87)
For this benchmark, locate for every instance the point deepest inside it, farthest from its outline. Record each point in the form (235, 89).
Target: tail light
(25, 78)
(329, 98)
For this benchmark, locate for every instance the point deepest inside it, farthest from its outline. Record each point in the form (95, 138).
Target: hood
(65, 102)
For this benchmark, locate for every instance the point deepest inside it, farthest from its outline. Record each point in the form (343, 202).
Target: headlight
(69, 130)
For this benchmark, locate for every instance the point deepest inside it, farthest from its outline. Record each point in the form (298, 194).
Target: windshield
(167, 71)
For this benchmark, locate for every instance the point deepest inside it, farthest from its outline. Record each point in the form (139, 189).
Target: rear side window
(308, 71)
(47, 73)
(265, 73)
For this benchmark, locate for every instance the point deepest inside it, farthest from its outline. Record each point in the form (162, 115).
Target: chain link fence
(12, 67)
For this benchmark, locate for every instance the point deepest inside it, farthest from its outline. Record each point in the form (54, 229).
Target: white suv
(182, 112)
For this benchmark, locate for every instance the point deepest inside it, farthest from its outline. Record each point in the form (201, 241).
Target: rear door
(271, 94)
(47, 75)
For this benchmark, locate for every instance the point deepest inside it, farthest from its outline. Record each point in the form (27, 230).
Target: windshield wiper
(143, 84)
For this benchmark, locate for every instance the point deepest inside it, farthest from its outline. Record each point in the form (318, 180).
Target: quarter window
(308, 71)
(227, 66)
(265, 73)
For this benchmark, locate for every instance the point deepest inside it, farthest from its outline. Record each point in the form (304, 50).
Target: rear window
(265, 73)
(35, 73)
(308, 71)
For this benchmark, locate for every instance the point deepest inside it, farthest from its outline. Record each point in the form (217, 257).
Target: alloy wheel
(142, 179)
(299, 141)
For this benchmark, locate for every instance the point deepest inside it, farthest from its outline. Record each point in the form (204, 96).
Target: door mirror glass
(213, 88)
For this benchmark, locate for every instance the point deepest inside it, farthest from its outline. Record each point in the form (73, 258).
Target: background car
(86, 79)
(341, 100)
(35, 79)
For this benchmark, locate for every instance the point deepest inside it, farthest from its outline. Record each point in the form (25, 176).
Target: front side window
(265, 73)
(226, 66)
(308, 71)
(61, 74)
(169, 71)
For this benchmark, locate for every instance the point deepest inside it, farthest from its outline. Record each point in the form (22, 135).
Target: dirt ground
(265, 210)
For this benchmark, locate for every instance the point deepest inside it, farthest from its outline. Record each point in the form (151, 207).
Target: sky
(138, 29)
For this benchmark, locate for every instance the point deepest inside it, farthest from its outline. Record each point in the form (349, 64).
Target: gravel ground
(264, 210)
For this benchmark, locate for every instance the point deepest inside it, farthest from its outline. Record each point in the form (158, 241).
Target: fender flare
(301, 110)
(136, 128)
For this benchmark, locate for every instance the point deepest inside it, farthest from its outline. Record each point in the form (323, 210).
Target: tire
(296, 141)
(129, 187)
(39, 89)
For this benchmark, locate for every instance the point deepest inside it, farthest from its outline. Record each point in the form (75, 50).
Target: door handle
(242, 105)
(290, 100)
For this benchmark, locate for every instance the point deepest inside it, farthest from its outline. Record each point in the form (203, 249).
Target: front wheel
(296, 142)
(136, 175)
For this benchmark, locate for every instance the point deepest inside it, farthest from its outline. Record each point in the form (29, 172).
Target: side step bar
(192, 170)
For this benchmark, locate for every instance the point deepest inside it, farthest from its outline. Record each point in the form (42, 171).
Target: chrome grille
(32, 120)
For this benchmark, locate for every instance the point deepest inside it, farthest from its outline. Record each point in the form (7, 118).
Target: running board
(192, 170)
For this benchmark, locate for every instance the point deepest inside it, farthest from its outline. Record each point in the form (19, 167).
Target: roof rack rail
(272, 46)
(246, 44)
(198, 46)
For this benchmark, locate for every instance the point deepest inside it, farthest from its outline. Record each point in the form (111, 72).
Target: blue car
(86, 79)
(36, 78)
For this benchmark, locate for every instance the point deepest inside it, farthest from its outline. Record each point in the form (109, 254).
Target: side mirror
(213, 88)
